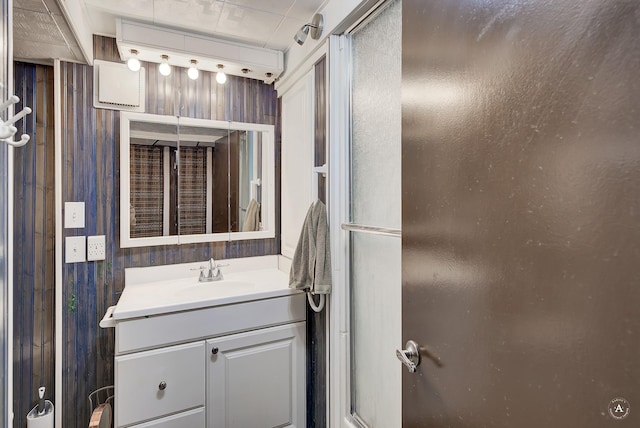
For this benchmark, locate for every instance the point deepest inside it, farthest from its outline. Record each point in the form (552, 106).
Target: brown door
(521, 213)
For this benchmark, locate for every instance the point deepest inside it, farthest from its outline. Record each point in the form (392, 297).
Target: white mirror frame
(267, 187)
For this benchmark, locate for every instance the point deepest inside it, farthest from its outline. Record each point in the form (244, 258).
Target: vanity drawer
(179, 327)
(190, 419)
(152, 384)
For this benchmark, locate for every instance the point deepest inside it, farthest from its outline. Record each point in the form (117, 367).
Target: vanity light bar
(151, 41)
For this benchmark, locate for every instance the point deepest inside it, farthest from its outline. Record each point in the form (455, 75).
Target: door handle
(410, 356)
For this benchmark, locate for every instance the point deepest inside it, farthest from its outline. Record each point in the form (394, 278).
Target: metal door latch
(410, 356)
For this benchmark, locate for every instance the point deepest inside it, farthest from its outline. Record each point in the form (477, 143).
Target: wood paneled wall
(90, 150)
(34, 234)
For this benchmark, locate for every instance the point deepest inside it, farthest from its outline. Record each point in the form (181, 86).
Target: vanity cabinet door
(156, 383)
(190, 419)
(257, 379)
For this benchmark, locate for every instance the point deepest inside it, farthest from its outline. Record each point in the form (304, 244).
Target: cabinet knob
(162, 386)
(214, 351)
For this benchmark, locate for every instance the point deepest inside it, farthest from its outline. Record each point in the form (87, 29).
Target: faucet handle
(202, 277)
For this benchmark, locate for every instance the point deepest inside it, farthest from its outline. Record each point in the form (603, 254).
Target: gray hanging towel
(311, 264)
(252, 217)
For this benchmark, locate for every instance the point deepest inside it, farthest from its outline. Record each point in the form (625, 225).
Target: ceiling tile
(282, 39)
(278, 7)
(52, 6)
(44, 52)
(141, 9)
(305, 8)
(36, 27)
(33, 5)
(199, 15)
(64, 29)
(249, 24)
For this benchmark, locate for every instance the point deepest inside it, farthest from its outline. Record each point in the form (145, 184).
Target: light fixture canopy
(208, 51)
(133, 63)
(165, 68)
(193, 72)
(314, 28)
(220, 76)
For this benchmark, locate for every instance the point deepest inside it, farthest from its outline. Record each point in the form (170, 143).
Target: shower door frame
(6, 264)
(340, 71)
(339, 59)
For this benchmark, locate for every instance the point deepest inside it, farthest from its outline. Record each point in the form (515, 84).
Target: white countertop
(172, 288)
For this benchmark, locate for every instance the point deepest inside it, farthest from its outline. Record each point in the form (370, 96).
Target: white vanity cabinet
(256, 379)
(236, 363)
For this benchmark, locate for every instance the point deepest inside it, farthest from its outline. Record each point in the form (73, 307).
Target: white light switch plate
(73, 215)
(96, 247)
(75, 249)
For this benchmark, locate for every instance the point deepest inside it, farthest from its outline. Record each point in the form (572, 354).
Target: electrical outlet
(73, 215)
(75, 249)
(96, 247)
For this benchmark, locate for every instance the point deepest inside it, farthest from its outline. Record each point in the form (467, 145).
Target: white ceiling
(41, 32)
(264, 23)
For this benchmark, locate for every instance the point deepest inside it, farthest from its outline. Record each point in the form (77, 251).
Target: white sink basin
(173, 288)
(215, 288)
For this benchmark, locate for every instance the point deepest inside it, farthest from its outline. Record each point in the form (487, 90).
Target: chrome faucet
(214, 273)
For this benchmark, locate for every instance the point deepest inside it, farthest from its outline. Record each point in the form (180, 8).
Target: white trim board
(339, 132)
(297, 160)
(10, 214)
(58, 238)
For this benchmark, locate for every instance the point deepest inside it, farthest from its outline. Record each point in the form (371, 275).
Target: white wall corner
(75, 12)
(297, 160)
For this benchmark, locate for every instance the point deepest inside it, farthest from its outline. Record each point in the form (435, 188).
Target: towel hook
(312, 303)
(321, 170)
(7, 130)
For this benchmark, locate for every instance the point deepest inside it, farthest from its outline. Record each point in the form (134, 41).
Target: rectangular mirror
(186, 180)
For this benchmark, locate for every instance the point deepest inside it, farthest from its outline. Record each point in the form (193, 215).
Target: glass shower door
(375, 259)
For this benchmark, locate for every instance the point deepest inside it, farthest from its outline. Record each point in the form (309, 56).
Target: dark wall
(90, 140)
(34, 234)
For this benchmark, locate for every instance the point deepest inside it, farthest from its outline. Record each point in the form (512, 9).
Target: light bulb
(221, 77)
(133, 63)
(193, 71)
(165, 68)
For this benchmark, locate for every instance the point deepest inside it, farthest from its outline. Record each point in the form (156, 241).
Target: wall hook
(7, 130)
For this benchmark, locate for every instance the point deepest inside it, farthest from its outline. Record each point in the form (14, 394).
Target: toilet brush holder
(36, 419)
(41, 416)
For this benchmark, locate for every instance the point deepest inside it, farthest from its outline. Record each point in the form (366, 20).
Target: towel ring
(320, 305)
